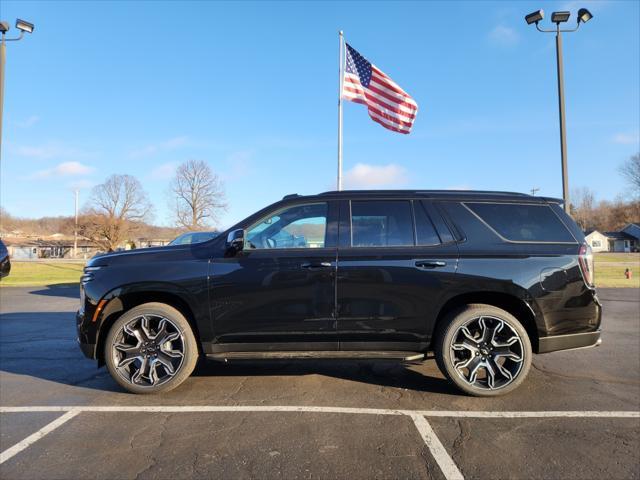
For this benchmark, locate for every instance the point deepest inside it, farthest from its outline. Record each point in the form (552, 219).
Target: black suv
(482, 279)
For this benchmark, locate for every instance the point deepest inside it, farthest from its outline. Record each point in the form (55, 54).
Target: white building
(598, 241)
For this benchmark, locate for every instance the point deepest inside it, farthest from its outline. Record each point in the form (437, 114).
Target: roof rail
(427, 192)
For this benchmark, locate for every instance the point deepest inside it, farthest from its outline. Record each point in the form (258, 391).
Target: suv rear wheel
(483, 350)
(151, 348)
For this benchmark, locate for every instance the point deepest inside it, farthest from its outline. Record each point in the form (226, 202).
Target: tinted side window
(381, 223)
(425, 231)
(520, 222)
(300, 226)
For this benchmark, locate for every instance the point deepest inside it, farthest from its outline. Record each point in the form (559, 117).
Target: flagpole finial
(341, 33)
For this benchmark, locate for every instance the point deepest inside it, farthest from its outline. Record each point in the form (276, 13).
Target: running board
(363, 355)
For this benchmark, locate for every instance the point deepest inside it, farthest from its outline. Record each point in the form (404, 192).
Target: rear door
(396, 259)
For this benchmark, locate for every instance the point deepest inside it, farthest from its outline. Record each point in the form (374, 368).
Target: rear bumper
(569, 342)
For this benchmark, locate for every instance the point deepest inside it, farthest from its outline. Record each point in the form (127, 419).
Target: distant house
(54, 246)
(620, 241)
(598, 241)
(625, 240)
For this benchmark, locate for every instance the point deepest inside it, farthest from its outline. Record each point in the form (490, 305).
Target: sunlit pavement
(575, 417)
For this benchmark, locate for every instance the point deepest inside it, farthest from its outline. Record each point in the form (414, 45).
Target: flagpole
(341, 70)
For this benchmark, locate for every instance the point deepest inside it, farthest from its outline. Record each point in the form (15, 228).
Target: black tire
(489, 356)
(149, 353)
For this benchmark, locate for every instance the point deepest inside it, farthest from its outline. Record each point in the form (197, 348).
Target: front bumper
(88, 348)
(569, 342)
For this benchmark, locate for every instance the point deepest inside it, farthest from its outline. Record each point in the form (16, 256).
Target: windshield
(193, 237)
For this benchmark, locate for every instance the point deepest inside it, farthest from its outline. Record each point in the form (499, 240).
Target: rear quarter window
(522, 222)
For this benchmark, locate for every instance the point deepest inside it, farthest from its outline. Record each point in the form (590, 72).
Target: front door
(394, 266)
(279, 292)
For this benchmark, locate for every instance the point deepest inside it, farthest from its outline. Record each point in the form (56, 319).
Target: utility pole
(534, 190)
(75, 230)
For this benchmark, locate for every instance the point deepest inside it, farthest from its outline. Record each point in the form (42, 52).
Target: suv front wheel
(484, 350)
(151, 348)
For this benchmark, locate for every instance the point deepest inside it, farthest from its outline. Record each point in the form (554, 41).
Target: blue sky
(138, 87)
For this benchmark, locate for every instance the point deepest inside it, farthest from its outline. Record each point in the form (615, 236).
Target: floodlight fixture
(4, 27)
(560, 17)
(24, 26)
(534, 17)
(584, 15)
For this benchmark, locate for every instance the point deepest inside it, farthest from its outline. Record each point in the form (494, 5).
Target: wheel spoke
(506, 373)
(491, 374)
(465, 345)
(130, 354)
(506, 353)
(511, 341)
(474, 366)
(465, 331)
(153, 373)
(134, 332)
(138, 376)
(144, 325)
(165, 361)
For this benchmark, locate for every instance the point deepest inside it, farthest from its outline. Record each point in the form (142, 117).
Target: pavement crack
(153, 461)
(584, 377)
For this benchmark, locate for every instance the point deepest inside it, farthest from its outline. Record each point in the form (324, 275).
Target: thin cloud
(83, 184)
(152, 149)
(626, 138)
(164, 171)
(503, 36)
(64, 169)
(48, 151)
(363, 175)
(27, 122)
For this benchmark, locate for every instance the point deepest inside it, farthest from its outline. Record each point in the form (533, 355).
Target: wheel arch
(122, 300)
(513, 304)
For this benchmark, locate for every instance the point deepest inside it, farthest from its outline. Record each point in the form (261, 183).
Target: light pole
(75, 228)
(4, 28)
(560, 17)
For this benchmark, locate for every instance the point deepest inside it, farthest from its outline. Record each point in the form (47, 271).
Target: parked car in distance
(484, 280)
(5, 262)
(192, 237)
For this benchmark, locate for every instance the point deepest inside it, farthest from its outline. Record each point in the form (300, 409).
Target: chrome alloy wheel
(487, 353)
(148, 350)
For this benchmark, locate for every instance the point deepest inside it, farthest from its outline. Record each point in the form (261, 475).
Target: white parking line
(50, 427)
(439, 453)
(312, 409)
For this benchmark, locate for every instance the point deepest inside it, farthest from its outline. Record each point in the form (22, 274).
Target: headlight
(88, 274)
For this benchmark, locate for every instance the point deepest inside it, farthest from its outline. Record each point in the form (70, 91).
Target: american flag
(388, 104)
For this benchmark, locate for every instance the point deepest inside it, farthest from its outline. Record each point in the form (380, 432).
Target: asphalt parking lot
(577, 415)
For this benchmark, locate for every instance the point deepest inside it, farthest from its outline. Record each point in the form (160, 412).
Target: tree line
(119, 209)
(604, 215)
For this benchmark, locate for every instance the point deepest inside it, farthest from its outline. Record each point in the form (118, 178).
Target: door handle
(430, 264)
(314, 265)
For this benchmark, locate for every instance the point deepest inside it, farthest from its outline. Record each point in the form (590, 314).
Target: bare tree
(116, 208)
(583, 205)
(630, 170)
(199, 195)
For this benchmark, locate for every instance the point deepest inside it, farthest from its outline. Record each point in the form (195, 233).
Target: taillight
(585, 258)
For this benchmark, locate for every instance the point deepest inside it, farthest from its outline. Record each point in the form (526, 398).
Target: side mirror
(235, 240)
